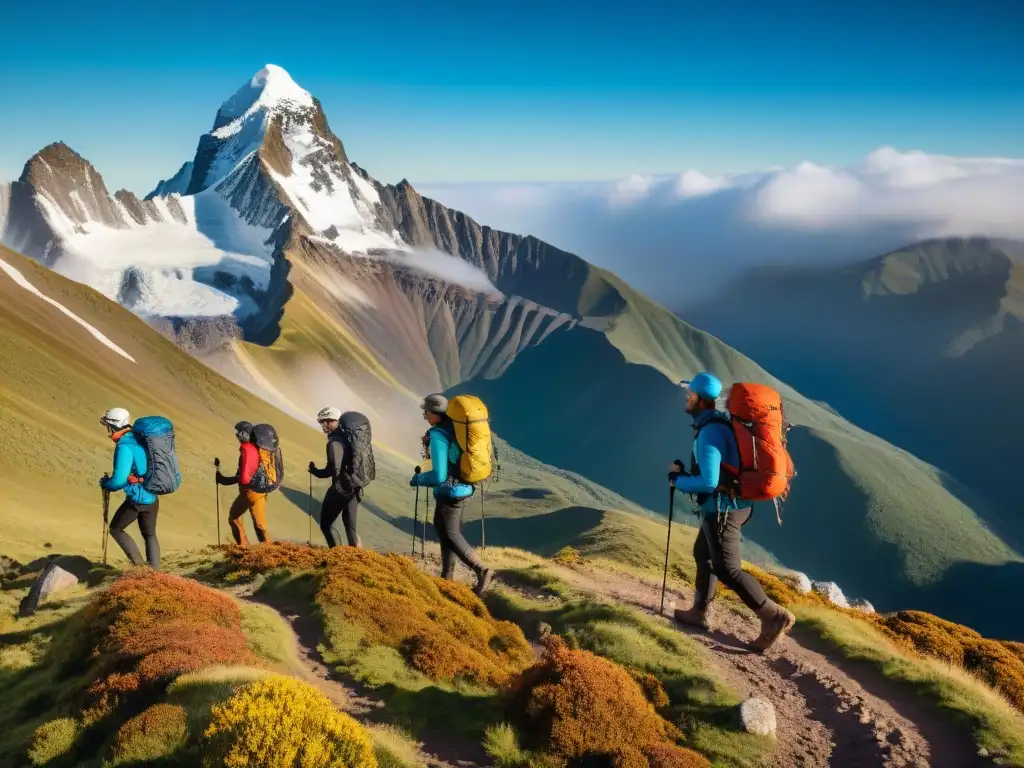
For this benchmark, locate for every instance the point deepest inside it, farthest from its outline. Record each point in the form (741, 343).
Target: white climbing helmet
(117, 418)
(330, 413)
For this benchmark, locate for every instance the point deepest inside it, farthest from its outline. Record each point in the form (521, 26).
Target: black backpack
(270, 472)
(358, 468)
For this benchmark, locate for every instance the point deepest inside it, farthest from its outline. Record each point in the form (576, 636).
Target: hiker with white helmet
(130, 466)
(350, 467)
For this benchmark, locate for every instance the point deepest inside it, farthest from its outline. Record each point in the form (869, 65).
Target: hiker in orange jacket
(248, 500)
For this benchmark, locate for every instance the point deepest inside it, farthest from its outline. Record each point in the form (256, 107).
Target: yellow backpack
(473, 436)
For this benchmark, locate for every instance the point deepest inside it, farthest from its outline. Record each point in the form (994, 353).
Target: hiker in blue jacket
(130, 465)
(449, 494)
(716, 549)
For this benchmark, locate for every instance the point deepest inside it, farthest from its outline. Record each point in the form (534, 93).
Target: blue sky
(471, 91)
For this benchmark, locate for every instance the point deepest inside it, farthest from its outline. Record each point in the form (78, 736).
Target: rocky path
(829, 713)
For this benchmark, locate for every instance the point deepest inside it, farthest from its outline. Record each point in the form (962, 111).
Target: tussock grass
(994, 723)
(267, 634)
(395, 748)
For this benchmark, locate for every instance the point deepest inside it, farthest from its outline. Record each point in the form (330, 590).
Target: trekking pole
(423, 530)
(309, 537)
(483, 533)
(668, 539)
(415, 512)
(216, 463)
(106, 522)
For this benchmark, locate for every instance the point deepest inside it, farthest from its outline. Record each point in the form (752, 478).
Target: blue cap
(704, 385)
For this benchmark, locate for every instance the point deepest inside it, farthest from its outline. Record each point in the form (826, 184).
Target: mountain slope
(921, 346)
(58, 377)
(371, 295)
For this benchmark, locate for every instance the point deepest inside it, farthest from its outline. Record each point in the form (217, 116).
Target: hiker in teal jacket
(130, 465)
(714, 445)
(716, 550)
(449, 494)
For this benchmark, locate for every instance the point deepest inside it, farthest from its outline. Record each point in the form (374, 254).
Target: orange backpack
(759, 424)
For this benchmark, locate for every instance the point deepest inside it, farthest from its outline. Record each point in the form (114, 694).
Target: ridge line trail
(829, 712)
(439, 750)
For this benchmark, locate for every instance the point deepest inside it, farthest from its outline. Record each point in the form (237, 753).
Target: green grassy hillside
(56, 380)
(862, 512)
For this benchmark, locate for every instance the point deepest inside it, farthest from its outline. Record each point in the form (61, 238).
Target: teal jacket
(443, 451)
(715, 445)
(129, 460)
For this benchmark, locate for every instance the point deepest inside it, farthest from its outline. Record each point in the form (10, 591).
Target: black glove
(312, 467)
(412, 482)
(672, 477)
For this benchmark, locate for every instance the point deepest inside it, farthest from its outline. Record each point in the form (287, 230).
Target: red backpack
(759, 425)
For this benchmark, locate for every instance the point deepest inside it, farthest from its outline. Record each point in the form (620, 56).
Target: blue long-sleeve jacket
(715, 445)
(129, 459)
(443, 450)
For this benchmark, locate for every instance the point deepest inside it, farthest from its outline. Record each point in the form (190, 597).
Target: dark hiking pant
(717, 553)
(448, 524)
(336, 504)
(127, 514)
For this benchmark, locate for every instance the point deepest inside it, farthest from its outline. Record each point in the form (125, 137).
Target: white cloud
(445, 267)
(676, 236)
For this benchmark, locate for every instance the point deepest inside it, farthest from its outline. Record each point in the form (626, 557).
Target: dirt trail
(829, 713)
(439, 750)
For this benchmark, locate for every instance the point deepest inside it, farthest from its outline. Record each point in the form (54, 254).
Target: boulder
(52, 580)
(862, 605)
(831, 591)
(758, 716)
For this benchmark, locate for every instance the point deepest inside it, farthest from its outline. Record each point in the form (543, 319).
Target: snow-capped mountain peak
(270, 88)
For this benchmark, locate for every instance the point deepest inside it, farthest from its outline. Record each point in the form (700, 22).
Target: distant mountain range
(283, 265)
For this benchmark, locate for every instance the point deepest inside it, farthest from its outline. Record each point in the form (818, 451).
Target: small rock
(9, 568)
(798, 581)
(758, 716)
(831, 590)
(862, 605)
(53, 579)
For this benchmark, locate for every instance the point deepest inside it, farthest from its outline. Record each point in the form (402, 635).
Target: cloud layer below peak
(680, 236)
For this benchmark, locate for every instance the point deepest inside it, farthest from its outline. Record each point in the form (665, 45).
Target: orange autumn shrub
(651, 686)
(148, 628)
(440, 627)
(574, 705)
(990, 660)
(672, 756)
(999, 663)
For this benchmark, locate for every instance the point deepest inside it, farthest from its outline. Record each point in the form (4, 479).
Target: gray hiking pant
(344, 505)
(717, 554)
(127, 514)
(448, 524)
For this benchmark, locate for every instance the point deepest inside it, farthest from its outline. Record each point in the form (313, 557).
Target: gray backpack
(156, 436)
(358, 469)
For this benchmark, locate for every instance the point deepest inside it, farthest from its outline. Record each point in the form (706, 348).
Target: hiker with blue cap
(716, 549)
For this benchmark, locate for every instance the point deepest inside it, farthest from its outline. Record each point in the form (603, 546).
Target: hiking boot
(483, 581)
(775, 622)
(694, 617)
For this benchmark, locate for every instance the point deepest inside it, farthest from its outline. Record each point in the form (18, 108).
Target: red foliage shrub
(574, 705)
(441, 627)
(150, 627)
